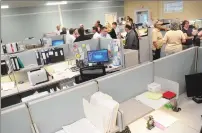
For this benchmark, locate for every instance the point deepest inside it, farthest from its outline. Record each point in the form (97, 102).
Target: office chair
(88, 73)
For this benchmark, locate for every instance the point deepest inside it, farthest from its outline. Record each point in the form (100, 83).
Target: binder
(4, 68)
(47, 56)
(38, 57)
(51, 56)
(56, 55)
(14, 61)
(44, 57)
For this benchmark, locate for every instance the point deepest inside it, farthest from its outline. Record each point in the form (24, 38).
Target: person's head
(158, 24)
(58, 27)
(174, 26)
(127, 18)
(104, 31)
(128, 28)
(99, 28)
(64, 30)
(114, 25)
(71, 31)
(97, 23)
(130, 20)
(81, 31)
(95, 29)
(81, 26)
(185, 24)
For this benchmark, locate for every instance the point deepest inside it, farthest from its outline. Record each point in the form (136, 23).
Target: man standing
(131, 39)
(58, 30)
(104, 34)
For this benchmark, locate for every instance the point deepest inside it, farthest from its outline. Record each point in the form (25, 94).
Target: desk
(155, 104)
(187, 122)
(8, 93)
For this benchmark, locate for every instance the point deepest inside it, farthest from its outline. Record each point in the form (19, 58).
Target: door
(110, 17)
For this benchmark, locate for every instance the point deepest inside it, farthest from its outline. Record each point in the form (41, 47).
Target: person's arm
(154, 39)
(165, 39)
(183, 37)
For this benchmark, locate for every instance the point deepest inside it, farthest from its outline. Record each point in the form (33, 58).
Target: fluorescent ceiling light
(56, 3)
(4, 6)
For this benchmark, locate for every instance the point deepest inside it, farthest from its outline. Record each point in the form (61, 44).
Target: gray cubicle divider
(27, 57)
(16, 119)
(199, 62)
(176, 66)
(93, 43)
(50, 113)
(128, 83)
(67, 51)
(144, 49)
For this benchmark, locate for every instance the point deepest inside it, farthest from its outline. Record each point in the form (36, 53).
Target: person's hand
(155, 45)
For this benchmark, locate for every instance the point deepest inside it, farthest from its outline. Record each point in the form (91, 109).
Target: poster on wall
(173, 6)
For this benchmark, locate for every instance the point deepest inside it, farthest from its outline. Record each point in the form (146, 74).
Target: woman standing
(174, 39)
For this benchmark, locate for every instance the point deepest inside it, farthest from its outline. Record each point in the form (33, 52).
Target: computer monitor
(194, 85)
(57, 42)
(98, 56)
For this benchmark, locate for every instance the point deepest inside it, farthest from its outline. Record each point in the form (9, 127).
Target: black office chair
(88, 73)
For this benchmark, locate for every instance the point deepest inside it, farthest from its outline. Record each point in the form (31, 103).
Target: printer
(37, 76)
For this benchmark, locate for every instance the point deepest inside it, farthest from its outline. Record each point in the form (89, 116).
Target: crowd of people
(177, 38)
(109, 31)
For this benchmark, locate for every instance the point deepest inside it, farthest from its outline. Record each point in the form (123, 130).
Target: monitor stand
(197, 99)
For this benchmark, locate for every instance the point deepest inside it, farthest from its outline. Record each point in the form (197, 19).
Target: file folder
(38, 58)
(15, 64)
(4, 68)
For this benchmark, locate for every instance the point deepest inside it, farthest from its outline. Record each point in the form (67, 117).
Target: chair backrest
(16, 119)
(88, 73)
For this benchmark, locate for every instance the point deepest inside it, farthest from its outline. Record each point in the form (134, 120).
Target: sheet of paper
(61, 131)
(155, 104)
(116, 49)
(87, 47)
(8, 86)
(80, 50)
(59, 67)
(81, 126)
(82, 56)
(163, 118)
(83, 45)
(153, 95)
(90, 112)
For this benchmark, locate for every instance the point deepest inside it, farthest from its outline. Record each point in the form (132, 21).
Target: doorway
(110, 17)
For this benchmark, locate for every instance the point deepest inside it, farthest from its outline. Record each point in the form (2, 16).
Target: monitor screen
(57, 42)
(98, 56)
(194, 85)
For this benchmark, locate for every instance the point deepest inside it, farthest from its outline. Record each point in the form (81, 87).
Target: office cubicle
(50, 113)
(16, 119)
(176, 66)
(199, 61)
(128, 83)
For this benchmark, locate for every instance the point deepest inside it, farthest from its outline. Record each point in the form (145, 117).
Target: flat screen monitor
(98, 56)
(57, 42)
(194, 85)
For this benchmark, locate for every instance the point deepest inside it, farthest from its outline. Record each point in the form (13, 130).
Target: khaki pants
(172, 49)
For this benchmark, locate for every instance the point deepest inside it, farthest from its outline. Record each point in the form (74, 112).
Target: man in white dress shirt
(70, 38)
(96, 34)
(104, 34)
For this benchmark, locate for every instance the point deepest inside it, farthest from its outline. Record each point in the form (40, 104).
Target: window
(173, 6)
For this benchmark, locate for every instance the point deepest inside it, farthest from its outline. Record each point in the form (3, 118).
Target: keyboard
(74, 69)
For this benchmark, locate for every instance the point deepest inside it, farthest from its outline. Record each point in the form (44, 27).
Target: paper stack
(101, 114)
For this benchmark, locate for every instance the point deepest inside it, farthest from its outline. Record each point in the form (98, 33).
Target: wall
(191, 10)
(19, 23)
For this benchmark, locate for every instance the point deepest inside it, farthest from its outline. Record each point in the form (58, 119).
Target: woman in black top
(188, 34)
(82, 36)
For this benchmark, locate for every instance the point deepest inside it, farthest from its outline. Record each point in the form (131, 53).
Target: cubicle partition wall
(128, 83)
(199, 61)
(50, 113)
(176, 66)
(16, 119)
(145, 49)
